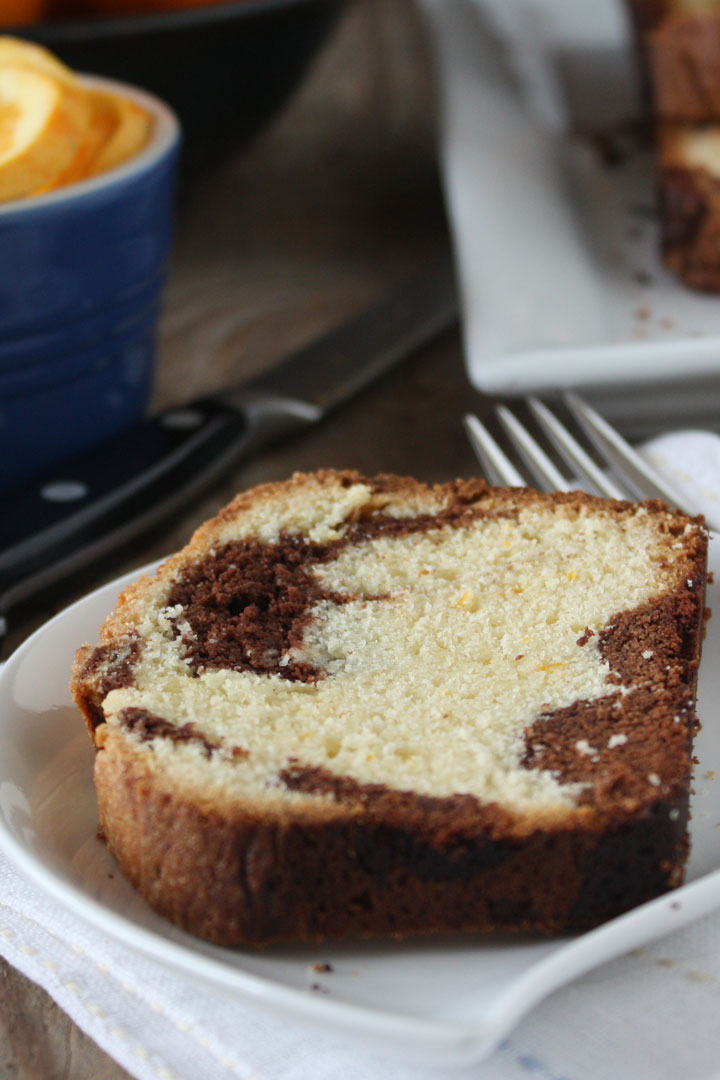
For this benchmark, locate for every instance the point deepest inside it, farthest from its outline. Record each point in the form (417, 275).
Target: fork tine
(620, 456)
(532, 453)
(573, 453)
(496, 465)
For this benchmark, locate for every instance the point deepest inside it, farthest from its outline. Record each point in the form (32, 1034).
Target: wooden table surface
(339, 199)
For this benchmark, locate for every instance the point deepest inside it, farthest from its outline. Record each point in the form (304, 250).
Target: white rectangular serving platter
(561, 281)
(437, 1001)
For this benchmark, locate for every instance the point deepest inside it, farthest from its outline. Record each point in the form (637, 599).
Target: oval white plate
(438, 1001)
(558, 252)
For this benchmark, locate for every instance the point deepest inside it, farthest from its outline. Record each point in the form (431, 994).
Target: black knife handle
(96, 502)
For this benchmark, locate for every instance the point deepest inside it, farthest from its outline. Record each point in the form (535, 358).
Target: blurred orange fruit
(56, 129)
(131, 130)
(21, 12)
(15, 50)
(43, 125)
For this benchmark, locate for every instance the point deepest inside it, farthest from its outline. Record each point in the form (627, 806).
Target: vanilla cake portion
(369, 706)
(694, 147)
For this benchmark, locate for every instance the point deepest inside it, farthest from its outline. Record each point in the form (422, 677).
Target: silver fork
(625, 474)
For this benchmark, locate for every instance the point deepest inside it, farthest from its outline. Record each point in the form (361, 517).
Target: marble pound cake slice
(368, 706)
(679, 50)
(689, 194)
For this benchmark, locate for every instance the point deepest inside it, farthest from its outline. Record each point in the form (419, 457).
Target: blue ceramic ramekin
(81, 276)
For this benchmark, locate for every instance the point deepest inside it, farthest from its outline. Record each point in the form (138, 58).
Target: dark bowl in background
(224, 69)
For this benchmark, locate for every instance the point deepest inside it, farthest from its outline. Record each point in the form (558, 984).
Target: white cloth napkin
(650, 1015)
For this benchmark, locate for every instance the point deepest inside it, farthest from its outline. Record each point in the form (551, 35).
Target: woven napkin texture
(651, 1015)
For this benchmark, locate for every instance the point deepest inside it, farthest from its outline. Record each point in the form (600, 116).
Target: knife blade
(114, 492)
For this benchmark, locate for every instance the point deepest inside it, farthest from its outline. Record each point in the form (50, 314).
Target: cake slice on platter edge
(679, 52)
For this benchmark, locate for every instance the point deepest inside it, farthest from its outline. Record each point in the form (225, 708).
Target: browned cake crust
(381, 862)
(366, 859)
(682, 53)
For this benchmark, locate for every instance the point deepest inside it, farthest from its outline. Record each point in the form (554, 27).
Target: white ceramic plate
(560, 276)
(437, 1001)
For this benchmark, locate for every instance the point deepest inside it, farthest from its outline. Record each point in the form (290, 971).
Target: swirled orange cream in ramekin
(55, 129)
